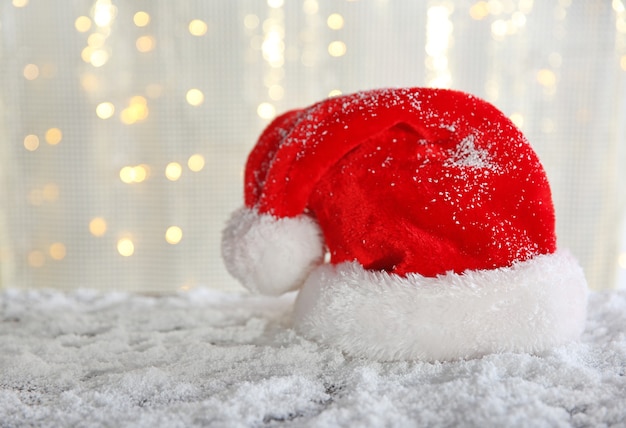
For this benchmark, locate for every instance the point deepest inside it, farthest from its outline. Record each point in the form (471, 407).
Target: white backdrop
(124, 125)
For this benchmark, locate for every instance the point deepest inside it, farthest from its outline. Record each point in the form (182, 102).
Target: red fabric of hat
(409, 183)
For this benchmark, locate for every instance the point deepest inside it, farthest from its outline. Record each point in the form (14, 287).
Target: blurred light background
(125, 125)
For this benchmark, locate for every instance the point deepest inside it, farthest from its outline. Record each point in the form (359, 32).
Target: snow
(208, 358)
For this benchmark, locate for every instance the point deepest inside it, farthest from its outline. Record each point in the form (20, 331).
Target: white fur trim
(529, 307)
(270, 255)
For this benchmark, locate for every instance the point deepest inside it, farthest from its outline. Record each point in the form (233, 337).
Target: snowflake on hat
(416, 223)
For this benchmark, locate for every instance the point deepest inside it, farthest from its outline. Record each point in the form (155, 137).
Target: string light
(31, 142)
(82, 24)
(251, 21)
(53, 136)
(173, 235)
(337, 48)
(195, 162)
(141, 18)
(134, 174)
(145, 44)
(57, 251)
(36, 258)
(334, 93)
(98, 226)
(173, 171)
(335, 21)
(198, 28)
(266, 111)
(105, 110)
(31, 72)
(194, 97)
(50, 192)
(125, 247)
(136, 111)
(20, 3)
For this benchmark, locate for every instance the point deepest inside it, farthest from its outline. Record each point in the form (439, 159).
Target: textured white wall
(557, 68)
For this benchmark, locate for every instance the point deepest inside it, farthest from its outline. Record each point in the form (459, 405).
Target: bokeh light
(31, 72)
(266, 111)
(97, 226)
(36, 258)
(194, 97)
(141, 18)
(105, 110)
(145, 44)
(173, 171)
(53, 136)
(125, 247)
(198, 28)
(337, 48)
(82, 24)
(335, 21)
(57, 251)
(173, 235)
(195, 162)
(31, 142)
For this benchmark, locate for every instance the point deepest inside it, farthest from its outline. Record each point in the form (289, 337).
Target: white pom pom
(271, 255)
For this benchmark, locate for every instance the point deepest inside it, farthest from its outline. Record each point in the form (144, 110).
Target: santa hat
(418, 224)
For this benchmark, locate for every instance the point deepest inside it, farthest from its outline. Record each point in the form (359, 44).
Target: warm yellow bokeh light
(195, 97)
(266, 111)
(517, 119)
(127, 174)
(335, 21)
(82, 24)
(275, 3)
(141, 18)
(479, 10)
(125, 247)
(57, 251)
(89, 82)
(173, 235)
(50, 192)
(20, 3)
(546, 77)
(134, 174)
(622, 62)
(337, 48)
(197, 27)
(31, 142)
(98, 57)
(36, 258)
(173, 171)
(276, 92)
(54, 136)
(105, 110)
(196, 162)
(96, 40)
(310, 7)
(141, 173)
(137, 110)
(31, 72)
(251, 21)
(104, 13)
(97, 226)
(145, 44)
(334, 93)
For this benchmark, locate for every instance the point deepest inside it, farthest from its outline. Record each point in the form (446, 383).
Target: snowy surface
(206, 358)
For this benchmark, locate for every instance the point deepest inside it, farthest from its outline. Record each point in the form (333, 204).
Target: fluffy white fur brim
(270, 255)
(529, 307)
